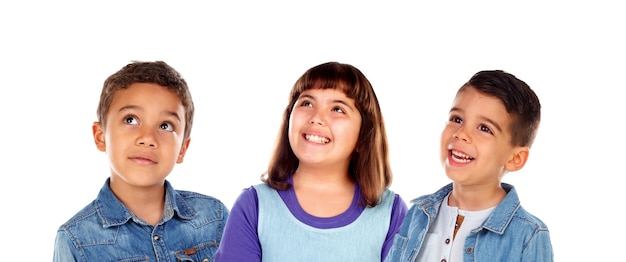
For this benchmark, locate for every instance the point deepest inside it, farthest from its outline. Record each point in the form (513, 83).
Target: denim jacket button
(156, 238)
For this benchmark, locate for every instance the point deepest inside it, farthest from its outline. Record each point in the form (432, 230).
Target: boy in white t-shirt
(491, 125)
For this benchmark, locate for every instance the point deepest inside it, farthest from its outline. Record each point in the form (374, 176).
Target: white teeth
(316, 139)
(461, 157)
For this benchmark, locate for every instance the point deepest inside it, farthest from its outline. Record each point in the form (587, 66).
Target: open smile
(317, 139)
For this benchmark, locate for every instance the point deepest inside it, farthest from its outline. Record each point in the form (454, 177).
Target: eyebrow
(134, 107)
(339, 101)
(486, 119)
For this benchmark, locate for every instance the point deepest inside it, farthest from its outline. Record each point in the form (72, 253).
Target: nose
(462, 135)
(317, 118)
(147, 138)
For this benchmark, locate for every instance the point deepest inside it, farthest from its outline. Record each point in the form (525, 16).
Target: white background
(241, 58)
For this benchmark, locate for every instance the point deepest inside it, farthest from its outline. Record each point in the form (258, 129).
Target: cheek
(443, 155)
(355, 126)
(109, 141)
(349, 132)
(356, 132)
(171, 140)
(297, 119)
(291, 131)
(444, 139)
(290, 123)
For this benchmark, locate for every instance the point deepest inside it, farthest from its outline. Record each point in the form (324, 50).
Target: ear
(98, 136)
(183, 150)
(518, 160)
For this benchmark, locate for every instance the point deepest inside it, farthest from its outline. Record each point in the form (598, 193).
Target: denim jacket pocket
(398, 248)
(203, 252)
(399, 242)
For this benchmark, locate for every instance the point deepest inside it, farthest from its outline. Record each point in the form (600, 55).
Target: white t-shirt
(439, 243)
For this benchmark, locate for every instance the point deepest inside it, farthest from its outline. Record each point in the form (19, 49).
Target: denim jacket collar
(114, 213)
(496, 222)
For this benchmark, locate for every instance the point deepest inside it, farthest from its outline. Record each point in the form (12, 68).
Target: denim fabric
(190, 230)
(510, 233)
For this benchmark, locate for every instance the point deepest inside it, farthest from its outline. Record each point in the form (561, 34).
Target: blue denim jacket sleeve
(539, 248)
(63, 250)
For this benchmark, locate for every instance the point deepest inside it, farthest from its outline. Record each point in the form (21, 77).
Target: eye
(338, 110)
(167, 126)
(456, 119)
(306, 103)
(485, 128)
(131, 120)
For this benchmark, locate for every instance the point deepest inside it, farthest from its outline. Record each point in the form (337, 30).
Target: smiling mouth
(317, 139)
(458, 156)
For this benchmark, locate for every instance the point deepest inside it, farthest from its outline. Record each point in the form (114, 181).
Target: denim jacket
(510, 233)
(190, 230)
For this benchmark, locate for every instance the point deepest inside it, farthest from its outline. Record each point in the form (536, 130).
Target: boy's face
(475, 143)
(143, 136)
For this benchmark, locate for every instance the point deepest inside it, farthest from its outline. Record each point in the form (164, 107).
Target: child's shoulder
(510, 211)
(525, 217)
(203, 204)
(434, 198)
(87, 215)
(198, 198)
(194, 194)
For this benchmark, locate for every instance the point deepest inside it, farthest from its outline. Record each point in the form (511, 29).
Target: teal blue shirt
(285, 238)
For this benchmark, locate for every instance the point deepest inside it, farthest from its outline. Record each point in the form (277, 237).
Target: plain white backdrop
(241, 58)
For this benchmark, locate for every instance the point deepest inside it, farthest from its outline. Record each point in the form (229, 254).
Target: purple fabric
(343, 219)
(240, 241)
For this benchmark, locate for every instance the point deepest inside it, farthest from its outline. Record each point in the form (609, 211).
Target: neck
(319, 178)
(475, 199)
(147, 203)
(323, 173)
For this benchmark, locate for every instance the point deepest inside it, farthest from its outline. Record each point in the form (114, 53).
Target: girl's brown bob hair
(369, 165)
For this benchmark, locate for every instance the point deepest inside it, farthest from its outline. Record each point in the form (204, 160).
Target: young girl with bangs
(325, 195)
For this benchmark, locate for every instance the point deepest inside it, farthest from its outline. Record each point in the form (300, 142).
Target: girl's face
(324, 127)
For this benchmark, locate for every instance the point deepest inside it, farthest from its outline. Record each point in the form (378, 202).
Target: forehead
(473, 103)
(325, 92)
(147, 95)
(328, 95)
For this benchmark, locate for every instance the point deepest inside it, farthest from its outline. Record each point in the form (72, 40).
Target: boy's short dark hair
(157, 72)
(520, 101)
